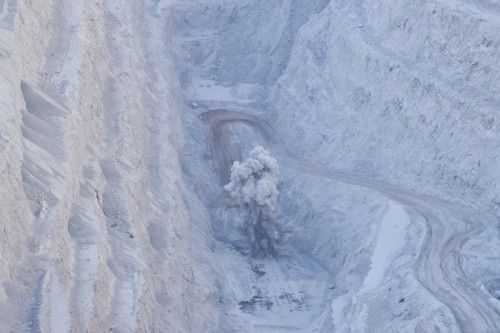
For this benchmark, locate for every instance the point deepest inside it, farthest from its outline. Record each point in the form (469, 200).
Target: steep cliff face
(95, 232)
(120, 121)
(398, 90)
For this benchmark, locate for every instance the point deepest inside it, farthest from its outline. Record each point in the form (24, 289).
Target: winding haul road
(448, 225)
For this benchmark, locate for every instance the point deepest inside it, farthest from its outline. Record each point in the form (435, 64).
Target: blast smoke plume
(254, 187)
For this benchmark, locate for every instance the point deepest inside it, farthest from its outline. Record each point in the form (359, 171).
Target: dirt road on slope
(448, 225)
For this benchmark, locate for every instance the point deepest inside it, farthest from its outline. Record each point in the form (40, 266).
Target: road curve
(437, 267)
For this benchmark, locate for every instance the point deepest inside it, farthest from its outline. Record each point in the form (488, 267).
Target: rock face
(120, 121)
(401, 91)
(95, 234)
